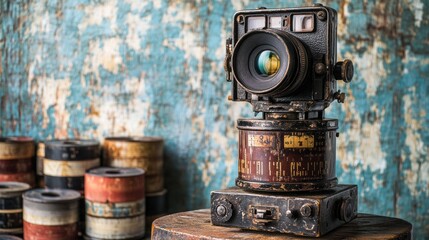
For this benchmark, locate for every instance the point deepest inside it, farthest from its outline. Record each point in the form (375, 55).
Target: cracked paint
(87, 68)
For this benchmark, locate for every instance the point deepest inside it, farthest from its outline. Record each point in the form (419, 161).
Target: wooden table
(196, 225)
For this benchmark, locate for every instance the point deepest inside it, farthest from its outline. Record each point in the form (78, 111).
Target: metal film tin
(141, 152)
(11, 206)
(66, 161)
(115, 203)
(286, 155)
(51, 214)
(16, 159)
(114, 185)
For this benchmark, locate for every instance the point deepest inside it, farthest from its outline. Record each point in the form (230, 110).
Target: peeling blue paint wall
(93, 68)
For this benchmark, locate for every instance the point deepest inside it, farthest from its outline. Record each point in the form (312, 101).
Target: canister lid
(112, 172)
(11, 189)
(51, 195)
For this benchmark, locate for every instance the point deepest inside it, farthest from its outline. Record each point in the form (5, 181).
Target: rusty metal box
(305, 214)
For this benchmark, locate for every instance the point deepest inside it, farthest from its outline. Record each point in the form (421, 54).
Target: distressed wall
(93, 68)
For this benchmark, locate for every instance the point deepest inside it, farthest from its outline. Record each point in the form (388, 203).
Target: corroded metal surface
(114, 185)
(115, 203)
(11, 206)
(42, 232)
(27, 177)
(196, 225)
(115, 228)
(16, 148)
(304, 214)
(51, 214)
(115, 210)
(16, 160)
(78, 68)
(66, 161)
(283, 155)
(146, 153)
(16, 165)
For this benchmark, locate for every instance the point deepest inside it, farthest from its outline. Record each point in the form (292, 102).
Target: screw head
(305, 210)
(321, 15)
(221, 210)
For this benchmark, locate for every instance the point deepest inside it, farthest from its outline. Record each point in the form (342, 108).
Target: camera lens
(269, 62)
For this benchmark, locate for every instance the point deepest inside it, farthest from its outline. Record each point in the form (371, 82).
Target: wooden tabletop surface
(196, 225)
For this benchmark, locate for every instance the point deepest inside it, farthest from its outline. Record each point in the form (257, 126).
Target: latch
(263, 215)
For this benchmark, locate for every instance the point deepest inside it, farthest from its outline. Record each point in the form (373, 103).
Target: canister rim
(115, 172)
(13, 188)
(136, 139)
(71, 143)
(290, 125)
(51, 195)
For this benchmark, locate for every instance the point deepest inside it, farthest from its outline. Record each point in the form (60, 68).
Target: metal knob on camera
(344, 70)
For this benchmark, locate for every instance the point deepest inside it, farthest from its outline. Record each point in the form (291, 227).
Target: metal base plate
(305, 214)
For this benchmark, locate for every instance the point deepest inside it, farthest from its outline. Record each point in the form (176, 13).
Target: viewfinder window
(256, 23)
(276, 22)
(303, 23)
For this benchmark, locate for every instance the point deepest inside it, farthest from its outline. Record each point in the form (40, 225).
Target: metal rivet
(321, 15)
(320, 68)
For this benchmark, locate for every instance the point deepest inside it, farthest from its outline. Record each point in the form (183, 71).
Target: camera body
(284, 60)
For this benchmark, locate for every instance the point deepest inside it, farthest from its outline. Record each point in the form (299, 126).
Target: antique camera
(283, 62)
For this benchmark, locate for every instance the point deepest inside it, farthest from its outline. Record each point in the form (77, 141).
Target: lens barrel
(270, 62)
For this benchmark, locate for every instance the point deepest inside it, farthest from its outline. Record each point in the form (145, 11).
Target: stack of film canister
(115, 203)
(51, 214)
(11, 207)
(65, 163)
(40, 155)
(145, 153)
(16, 160)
